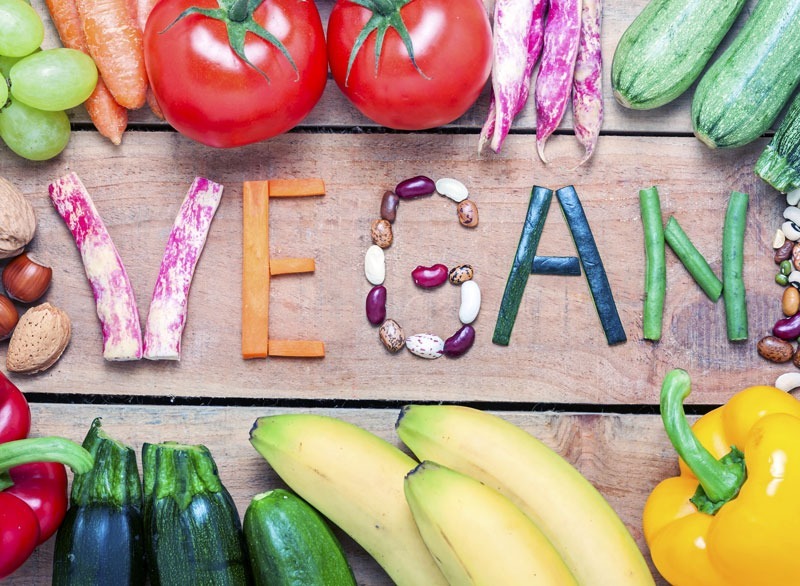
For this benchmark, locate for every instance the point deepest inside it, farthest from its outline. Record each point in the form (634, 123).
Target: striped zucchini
(779, 164)
(666, 47)
(742, 93)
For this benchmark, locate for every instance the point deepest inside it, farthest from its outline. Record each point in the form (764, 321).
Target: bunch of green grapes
(37, 86)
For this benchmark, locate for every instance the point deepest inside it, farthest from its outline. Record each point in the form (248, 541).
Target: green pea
(786, 267)
(781, 279)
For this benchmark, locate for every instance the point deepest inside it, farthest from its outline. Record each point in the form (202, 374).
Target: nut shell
(17, 220)
(41, 336)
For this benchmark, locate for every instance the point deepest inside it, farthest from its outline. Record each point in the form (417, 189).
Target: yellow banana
(355, 479)
(477, 536)
(590, 537)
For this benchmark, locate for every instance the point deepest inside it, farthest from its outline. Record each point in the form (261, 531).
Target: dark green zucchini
(744, 91)
(290, 544)
(562, 266)
(101, 540)
(193, 535)
(779, 164)
(666, 47)
(523, 263)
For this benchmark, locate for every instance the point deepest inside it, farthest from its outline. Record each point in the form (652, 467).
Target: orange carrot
(297, 348)
(115, 44)
(153, 103)
(296, 187)
(255, 269)
(290, 266)
(108, 116)
(143, 9)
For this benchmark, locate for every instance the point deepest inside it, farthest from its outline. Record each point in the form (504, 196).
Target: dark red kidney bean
(376, 305)
(415, 187)
(429, 277)
(787, 328)
(460, 342)
(389, 204)
(784, 252)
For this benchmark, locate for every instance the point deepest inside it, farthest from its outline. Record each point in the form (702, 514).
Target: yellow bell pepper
(732, 516)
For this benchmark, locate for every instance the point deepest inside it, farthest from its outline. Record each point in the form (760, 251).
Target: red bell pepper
(33, 480)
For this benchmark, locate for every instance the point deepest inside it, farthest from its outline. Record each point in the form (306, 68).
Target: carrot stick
(291, 266)
(255, 270)
(297, 348)
(296, 187)
(108, 116)
(115, 44)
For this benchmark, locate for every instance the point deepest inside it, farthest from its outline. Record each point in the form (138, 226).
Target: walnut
(17, 220)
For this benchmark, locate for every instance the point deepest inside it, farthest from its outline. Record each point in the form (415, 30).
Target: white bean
(788, 381)
(793, 197)
(375, 265)
(792, 213)
(790, 231)
(470, 302)
(452, 188)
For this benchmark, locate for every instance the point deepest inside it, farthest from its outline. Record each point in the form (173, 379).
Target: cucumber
(193, 536)
(290, 544)
(742, 93)
(100, 540)
(779, 164)
(666, 47)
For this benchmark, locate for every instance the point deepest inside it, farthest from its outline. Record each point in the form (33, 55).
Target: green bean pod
(691, 258)
(733, 291)
(655, 275)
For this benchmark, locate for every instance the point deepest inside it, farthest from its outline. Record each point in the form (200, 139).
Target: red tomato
(452, 44)
(209, 93)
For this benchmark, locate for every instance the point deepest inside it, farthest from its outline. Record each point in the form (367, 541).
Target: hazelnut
(8, 317)
(25, 279)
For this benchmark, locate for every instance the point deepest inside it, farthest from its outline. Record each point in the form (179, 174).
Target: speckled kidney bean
(392, 336)
(460, 342)
(389, 204)
(461, 274)
(787, 328)
(381, 232)
(796, 256)
(774, 349)
(468, 213)
(376, 304)
(429, 277)
(425, 346)
(415, 187)
(784, 252)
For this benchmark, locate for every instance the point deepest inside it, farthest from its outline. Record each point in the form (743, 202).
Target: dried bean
(425, 345)
(415, 187)
(452, 188)
(787, 328)
(376, 304)
(779, 239)
(784, 252)
(381, 232)
(391, 335)
(790, 302)
(786, 267)
(460, 274)
(781, 279)
(793, 197)
(796, 357)
(389, 204)
(792, 213)
(775, 349)
(460, 342)
(429, 277)
(791, 230)
(788, 381)
(794, 278)
(796, 256)
(468, 213)
(470, 302)
(375, 265)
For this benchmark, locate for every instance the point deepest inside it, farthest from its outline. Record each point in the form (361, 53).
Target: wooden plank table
(595, 404)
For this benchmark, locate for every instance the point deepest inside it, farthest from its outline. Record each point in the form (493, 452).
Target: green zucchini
(779, 164)
(742, 93)
(193, 535)
(290, 544)
(538, 207)
(666, 47)
(100, 540)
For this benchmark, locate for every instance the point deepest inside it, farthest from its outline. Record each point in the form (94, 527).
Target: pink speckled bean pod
(113, 294)
(587, 88)
(169, 305)
(517, 39)
(562, 35)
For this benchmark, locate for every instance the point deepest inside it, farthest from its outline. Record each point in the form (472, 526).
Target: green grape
(6, 63)
(3, 91)
(52, 80)
(21, 29)
(34, 134)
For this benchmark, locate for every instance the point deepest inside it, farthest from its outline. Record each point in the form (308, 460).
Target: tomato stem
(238, 12)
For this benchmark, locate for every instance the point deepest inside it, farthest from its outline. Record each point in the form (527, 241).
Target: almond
(39, 339)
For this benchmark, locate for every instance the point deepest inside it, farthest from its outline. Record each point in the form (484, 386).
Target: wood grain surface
(606, 448)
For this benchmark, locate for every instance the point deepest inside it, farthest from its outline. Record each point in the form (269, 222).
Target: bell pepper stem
(720, 479)
(45, 449)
